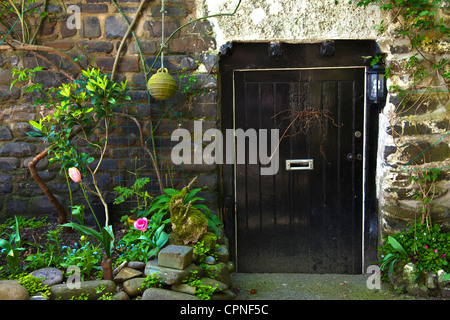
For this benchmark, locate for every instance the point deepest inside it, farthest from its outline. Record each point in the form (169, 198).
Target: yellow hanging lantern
(162, 85)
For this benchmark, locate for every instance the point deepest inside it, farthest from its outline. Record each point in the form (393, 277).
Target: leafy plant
(156, 241)
(202, 291)
(426, 182)
(87, 103)
(105, 236)
(428, 248)
(151, 281)
(86, 256)
(34, 285)
(12, 248)
(142, 197)
(50, 255)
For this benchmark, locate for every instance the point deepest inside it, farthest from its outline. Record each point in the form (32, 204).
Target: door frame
(300, 57)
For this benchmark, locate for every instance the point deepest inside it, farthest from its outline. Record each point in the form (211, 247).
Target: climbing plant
(424, 25)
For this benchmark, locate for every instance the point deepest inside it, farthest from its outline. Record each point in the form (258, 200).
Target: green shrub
(427, 248)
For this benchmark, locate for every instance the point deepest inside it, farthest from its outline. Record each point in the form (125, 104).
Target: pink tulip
(141, 224)
(75, 174)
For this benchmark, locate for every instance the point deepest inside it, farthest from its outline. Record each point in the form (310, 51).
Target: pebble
(49, 276)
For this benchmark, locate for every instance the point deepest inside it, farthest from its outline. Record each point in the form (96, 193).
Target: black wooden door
(306, 221)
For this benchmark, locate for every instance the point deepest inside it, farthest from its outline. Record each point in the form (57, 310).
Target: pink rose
(75, 174)
(426, 247)
(436, 250)
(141, 224)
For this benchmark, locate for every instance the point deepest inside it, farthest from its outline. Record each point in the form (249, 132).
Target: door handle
(300, 164)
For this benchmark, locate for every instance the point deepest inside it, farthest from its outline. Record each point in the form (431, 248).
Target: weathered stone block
(126, 274)
(170, 276)
(219, 272)
(62, 45)
(177, 257)
(5, 183)
(90, 27)
(87, 288)
(174, 62)
(116, 26)
(66, 32)
(7, 93)
(93, 7)
(95, 46)
(147, 47)
(164, 294)
(5, 133)
(17, 149)
(9, 163)
(125, 64)
(15, 205)
(155, 28)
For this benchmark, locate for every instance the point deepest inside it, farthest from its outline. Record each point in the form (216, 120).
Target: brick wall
(96, 43)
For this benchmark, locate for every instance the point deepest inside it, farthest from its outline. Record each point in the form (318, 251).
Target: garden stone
(12, 290)
(184, 288)
(222, 253)
(445, 293)
(87, 288)
(440, 278)
(210, 260)
(430, 280)
(219, 272)
(126, 274)
(49, 276)
(122, 295)
(38, 296)
(133, 286)
(176, 257)
(409, 273)
(170, 276)
(164, 294)
(225, 295)
(138, 265)
(213, 283)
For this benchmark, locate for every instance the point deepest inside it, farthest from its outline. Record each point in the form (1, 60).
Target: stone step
(176, 257)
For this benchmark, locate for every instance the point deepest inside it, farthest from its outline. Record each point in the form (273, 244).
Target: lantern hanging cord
(163, 11)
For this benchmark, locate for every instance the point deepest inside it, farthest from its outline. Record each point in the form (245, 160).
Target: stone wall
(190, 52)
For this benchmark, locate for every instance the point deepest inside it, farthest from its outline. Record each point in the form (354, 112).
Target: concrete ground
(279, 286)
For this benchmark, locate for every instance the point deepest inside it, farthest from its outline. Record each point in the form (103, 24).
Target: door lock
(352, 157)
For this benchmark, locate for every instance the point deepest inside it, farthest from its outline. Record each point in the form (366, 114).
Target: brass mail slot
(302, 164)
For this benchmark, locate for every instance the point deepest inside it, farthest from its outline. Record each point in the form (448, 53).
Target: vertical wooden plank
(267, 181)
(316, 183)
(252, 116)
(346, 177)
(330, 165)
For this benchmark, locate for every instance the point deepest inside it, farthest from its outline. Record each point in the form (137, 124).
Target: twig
(130, 27)
(30, 47)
